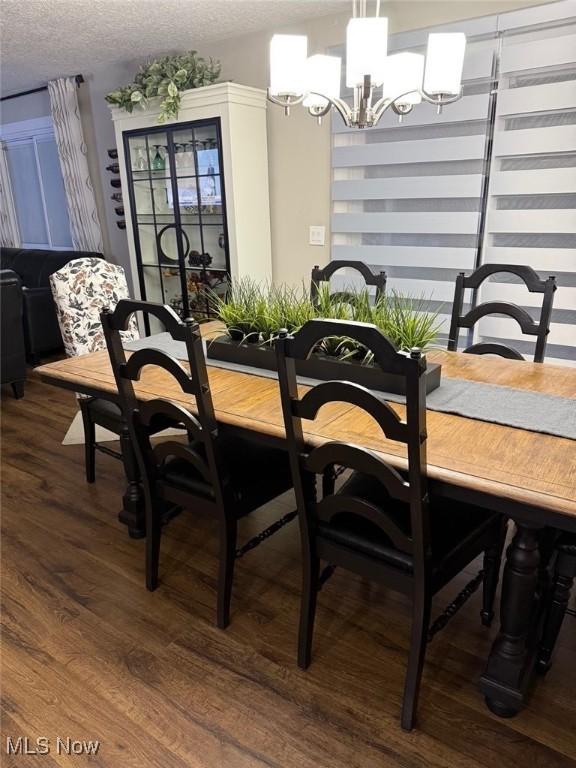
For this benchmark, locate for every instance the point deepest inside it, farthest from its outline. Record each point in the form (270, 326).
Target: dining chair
(382, 523)
(218, 472)
(81, 289)
(527, 324)
(323, 275)
(559, 597)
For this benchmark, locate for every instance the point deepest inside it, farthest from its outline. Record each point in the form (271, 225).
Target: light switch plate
(317, 235)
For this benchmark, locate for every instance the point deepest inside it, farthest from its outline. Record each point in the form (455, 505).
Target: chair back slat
(361, 460)
(309, 462)
(355, 394)
(172, 449)
(119, 318)
(138, 360)
(323, 275)
(522, 317)
(154, 410)
(528, 276)
(332, 506)
(540, 329)
(385, 353)
(488, 348)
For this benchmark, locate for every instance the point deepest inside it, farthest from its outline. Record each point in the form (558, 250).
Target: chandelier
(379, 81)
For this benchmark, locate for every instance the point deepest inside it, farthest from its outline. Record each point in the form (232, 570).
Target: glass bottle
(141, 159)
(158, 163)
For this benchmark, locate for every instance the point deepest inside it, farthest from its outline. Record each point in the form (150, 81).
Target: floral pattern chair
(81, 289)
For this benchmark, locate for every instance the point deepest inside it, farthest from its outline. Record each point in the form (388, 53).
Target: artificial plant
(255, 312)
(167, 78)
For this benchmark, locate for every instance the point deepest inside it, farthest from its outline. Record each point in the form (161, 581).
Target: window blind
(531, 214)
(491, 179)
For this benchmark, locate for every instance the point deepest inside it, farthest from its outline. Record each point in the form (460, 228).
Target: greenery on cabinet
(253, 312)
(167, 78)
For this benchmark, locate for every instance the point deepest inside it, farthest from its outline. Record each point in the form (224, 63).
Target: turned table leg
(510, 665)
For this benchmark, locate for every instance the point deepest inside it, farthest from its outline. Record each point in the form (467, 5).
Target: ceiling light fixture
(379, 81)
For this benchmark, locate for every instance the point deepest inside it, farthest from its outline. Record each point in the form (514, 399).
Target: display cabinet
(195, 194)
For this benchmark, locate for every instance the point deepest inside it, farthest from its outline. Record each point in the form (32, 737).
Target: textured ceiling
(43, 39)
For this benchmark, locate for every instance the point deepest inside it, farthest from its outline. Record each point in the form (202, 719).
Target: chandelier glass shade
(379, 81)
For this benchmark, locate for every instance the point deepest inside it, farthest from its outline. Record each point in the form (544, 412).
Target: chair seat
(254, 473)
(567, 544)
(454, 525)
(106, 414)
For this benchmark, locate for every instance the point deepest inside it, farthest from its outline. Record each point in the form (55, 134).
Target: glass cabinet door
(201, 210)
(179, 215)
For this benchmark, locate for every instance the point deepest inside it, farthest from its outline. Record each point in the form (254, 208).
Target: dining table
(527, 475)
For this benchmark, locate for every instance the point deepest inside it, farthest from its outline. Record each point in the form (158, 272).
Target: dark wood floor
(89, 654)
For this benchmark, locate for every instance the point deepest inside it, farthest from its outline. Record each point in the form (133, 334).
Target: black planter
(317, 367)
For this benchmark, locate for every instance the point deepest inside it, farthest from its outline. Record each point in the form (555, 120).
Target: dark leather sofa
(12, 350)
(33, 267)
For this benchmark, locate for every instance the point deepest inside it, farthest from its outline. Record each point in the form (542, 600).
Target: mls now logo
(25, 746)
(42, 746)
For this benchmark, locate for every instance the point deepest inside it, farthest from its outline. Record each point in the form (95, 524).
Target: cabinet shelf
(161, 176)
(176, 266)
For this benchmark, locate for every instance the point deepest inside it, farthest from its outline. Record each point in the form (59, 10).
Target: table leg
(509, 669)
(132, 512)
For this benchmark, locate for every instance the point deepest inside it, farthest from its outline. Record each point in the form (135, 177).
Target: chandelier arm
(320, 111)
(440, 99)
(381, 106)
(339, 105)
(285, 101)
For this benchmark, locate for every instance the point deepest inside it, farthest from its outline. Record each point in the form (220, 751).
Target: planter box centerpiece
(254, 314)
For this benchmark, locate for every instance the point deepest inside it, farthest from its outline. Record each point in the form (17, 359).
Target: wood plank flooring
(87, 653)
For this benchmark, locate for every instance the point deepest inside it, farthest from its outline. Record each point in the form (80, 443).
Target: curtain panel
(84, 222)
(9, 231)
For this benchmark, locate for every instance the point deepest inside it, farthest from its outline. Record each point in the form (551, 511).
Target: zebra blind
(411, 198)
(531, 215)
(407, 196)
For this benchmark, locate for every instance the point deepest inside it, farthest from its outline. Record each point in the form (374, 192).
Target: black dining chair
(530, 327)
(323, 275)
(217, 471)
(381, 524)
(559, 597)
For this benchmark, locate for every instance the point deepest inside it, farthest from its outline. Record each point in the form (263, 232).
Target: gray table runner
(533, 411)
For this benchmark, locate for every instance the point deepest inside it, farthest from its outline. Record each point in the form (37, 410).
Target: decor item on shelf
(405, 79)
(116, 183)
(167, 78)
(113, 153)
(254, 314)
(119, 211)
(121, 224)
(141, 160)
(117, 197)
(113, 168)
(158, 162)
(197, 259)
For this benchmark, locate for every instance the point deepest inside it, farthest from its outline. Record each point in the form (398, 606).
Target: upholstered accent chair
(82, 289)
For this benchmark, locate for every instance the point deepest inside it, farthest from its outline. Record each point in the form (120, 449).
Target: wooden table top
(515, 465)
